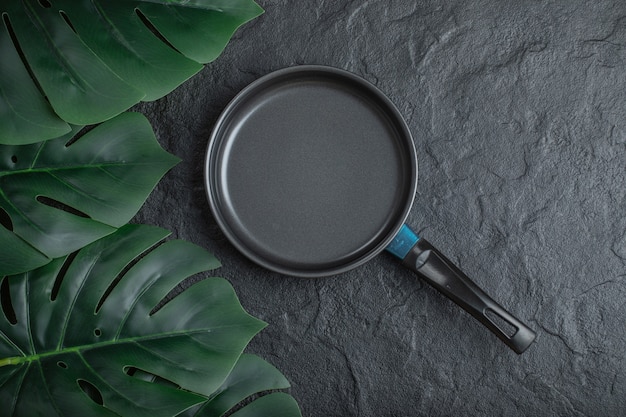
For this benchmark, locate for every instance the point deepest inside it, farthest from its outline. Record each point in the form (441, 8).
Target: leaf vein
(61, 58)
(79, 191)
(20, 385)
(76, 167)
(123, 341)
(50, 396)
(36, 158)
(20, 213)
(74, 300)
(9, 341)
(105, 382)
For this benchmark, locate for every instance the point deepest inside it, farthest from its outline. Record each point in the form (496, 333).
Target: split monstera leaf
(88, 334)
(62, 194)
(82, 62)
(84, 332)
(90, 323)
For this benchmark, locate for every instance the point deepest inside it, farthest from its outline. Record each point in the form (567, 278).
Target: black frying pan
(311, 171)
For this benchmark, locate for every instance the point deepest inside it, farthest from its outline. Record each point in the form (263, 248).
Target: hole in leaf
(67, 20)
(249, 400)
(91, 390)
(144, 19)
(14, 159)
(20, 52)
(506, 327)
(62, 364)
(148, 377)
(97, 332)
(50, 202)
(123, 272)
(45, 3)
(7, 303)
(61, 275)
(5, 220)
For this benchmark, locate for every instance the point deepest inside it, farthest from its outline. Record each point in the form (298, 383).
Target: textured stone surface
(518, 111)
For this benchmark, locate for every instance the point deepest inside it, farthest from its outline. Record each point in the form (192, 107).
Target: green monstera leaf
(59, 195)
(99, 333)
(84, 61)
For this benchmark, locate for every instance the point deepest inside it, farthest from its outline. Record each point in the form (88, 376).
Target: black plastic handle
(432, 266)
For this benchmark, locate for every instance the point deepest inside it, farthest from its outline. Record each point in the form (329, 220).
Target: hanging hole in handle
(501, 323)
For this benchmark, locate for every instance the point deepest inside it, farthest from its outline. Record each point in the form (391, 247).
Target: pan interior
(311, 173)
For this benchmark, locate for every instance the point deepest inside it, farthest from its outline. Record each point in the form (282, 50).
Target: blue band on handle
(403, 242)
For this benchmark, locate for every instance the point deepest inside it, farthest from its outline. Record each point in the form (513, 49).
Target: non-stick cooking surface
(310, 171)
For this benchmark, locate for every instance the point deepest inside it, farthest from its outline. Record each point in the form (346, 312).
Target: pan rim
(212, 187)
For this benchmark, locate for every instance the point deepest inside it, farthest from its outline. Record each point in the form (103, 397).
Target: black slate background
(518, 111)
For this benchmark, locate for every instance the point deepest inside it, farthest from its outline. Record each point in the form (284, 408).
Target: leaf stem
(16, 360)
(12, 361)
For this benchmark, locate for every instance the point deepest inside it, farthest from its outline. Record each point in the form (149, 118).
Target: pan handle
(431, 265)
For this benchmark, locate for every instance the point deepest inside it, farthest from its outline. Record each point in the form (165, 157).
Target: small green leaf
(55, 198)
(79, 336)
(83, 62)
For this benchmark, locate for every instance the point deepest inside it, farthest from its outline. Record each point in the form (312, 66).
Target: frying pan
(311, 171)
